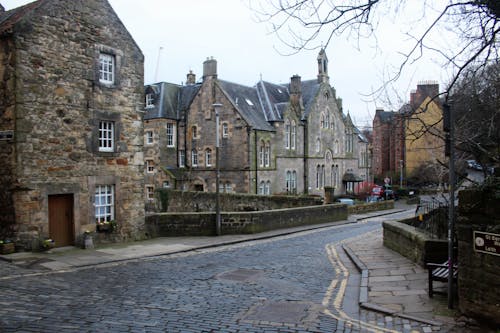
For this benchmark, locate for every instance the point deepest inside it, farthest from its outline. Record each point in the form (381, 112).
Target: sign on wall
(486, 242)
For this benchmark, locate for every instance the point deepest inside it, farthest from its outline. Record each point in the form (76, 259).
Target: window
(318, 145)
(106, 136)
(194, 132)
(294, 135)
(166, 184)
(208, 157)
(262, 188)
(287, 135)
(149, 137)
(170, 135)
(194, 158)
(322, 121)
(291, 182)
(106, 68)
(225, 130)
(182, 158)
(104, 203)
(267, 189)
(320, 176)
(288, 181)
(261, 153)
(228, 188)
(327, 121)
(150, 192)
(150, 101)
(267, 155)
(349, 141)
(150, 166)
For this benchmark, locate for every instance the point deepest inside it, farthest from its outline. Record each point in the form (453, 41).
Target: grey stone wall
(478, 279)
(187, 201)
(414, 244)
(203, 224)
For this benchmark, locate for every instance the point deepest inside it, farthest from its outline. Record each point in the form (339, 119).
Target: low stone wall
(168, 200)
(203, 224)
(478, 277)
(371, 207)
(414, 244)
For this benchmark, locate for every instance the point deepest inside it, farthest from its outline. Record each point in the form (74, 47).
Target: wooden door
(61, 225)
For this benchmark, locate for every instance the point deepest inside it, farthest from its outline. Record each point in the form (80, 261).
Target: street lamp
(217, 107)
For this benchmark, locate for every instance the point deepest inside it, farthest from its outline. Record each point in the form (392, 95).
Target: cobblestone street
(295, 283)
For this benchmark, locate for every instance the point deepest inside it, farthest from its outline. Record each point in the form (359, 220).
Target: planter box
(7, 248)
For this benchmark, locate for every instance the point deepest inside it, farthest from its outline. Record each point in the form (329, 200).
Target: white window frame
(261, 154)
(208, 157)
(194, 158)
(262, 188)
(104, 203)
(149, 137)
(107, 68)
(171, 135)
(106, 136)
(267, 155)
(225, 130)
(267, 188)
(287, 135)
(293, 136)
(150, 101)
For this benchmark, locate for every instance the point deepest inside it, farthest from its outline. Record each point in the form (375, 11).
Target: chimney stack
(295, 85)
(210, 68)
(190, 78)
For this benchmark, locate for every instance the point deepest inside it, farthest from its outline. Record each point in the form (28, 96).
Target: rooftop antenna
(158, 63)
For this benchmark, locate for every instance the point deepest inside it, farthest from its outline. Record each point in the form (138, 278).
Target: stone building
(71, 123)
(274, 138)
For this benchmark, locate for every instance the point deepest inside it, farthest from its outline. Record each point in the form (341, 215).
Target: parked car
(382, 193)
(472, 164)
(347, 201)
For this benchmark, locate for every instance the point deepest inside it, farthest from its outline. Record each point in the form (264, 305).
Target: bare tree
(475, 101)
(471, 27)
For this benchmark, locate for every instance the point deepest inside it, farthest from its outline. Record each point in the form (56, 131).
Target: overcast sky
(178, 35)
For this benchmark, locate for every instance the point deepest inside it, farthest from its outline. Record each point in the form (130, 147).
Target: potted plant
(7, 246)
(106, 226)
(48, 244)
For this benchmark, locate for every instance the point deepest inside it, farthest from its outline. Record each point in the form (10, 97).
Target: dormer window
(150, 101)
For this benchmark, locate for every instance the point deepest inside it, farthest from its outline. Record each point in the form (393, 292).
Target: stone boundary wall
(190, 201)
(203, 223)
(478, 277)
(371, 207)
(414, 244)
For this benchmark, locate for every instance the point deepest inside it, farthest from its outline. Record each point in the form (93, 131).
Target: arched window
(288, 181)
(262, 188)
(318, 172)
(225, 130)
(336, 147)
(268, 188)
(267, 155)
(287, 134)
(261, 153)
(294, 181)
(322, 121)
(318, 145)
(327, 120)
(208, 157)
(293, 138)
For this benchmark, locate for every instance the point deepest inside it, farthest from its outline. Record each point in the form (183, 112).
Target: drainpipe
(256, 161)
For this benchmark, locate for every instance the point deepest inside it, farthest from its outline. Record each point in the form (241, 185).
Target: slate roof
(259, 106)
(9, 18)
(171, 100)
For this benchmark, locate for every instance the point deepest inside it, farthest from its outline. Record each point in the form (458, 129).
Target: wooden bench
(439, 272)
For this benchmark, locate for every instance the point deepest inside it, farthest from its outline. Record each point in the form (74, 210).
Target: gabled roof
(247, 102)
(274, 99)
(310, 89)
(170, 100)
